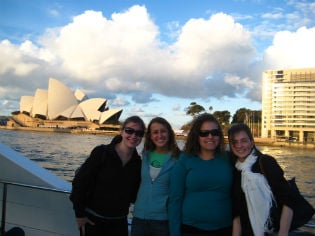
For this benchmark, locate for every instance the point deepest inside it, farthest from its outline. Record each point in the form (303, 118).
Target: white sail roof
(80, 95)
(91, 108)
(60, 98)
(78, 113)
(26, 103)
(40, 103)
(109, 113)
(68, 112)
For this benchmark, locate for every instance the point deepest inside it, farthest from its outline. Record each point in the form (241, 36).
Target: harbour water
(63, 153)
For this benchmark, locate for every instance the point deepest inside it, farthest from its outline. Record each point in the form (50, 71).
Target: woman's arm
(285, 221)
(281, 190)
(83, 181)
(237, 228)
(277, 181)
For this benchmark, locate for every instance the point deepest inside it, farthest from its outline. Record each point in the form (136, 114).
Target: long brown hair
(192, 145)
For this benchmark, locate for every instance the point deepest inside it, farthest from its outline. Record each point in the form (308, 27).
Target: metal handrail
(34, 186)
(4, 197)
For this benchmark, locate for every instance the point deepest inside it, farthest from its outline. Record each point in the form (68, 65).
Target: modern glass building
(288, 104)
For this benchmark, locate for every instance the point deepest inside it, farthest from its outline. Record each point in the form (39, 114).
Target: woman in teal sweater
(200, 190)
(160, 153)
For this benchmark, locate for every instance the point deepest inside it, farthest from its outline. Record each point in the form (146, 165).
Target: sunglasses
(130, 131)
(205, 133)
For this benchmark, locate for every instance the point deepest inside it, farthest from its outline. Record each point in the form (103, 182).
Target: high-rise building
(288, 104)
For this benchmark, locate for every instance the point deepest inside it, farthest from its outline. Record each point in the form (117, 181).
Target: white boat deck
(32, 198)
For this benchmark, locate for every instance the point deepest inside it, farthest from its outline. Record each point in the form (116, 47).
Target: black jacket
(277, 182)
(104, 185)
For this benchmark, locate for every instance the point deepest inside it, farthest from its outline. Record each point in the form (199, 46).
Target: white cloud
(273, 16)
(119, 102)
(137, 110)
(32, 51)
(5, 102)
(216, 44)
(92, 46)
(54, 12)
(176, 107)
(124, 54)
(292, 49)
(238, 82)
(12, 60)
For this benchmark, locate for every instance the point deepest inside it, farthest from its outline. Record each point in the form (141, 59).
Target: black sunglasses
(130, 131)
(205, 133)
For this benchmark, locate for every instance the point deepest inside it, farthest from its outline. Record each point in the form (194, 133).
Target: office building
(288, 104)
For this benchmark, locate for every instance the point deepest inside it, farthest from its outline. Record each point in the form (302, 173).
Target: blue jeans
(140, 227)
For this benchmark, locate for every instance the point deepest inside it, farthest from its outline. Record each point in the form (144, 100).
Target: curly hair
(171, 144)
(192, 145)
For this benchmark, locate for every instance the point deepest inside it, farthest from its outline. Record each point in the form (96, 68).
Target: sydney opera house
(60, 103)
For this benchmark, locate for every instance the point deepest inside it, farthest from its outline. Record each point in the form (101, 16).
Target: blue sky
(153, 58)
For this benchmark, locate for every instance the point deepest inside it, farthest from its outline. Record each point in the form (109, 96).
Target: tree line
(242, 115)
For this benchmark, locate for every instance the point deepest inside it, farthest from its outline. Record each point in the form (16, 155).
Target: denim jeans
(142, 227)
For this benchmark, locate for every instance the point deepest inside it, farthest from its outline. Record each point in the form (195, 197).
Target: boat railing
(19, 188)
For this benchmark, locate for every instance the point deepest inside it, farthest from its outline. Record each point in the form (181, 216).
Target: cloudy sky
(154, 57)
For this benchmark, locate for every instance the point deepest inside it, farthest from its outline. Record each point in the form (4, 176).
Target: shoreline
(258, 141)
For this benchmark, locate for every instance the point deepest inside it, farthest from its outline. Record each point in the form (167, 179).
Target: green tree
(244, 115)
(249, 117)
(240, 115)
(194, 109)
(223, 117)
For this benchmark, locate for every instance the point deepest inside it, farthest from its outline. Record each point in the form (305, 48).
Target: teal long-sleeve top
(151, 203)
(200, 193)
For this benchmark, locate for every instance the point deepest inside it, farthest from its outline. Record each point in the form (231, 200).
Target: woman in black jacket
(259, 183)
(107, 182)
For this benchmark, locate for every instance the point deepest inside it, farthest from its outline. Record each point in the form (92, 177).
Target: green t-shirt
(157, 160)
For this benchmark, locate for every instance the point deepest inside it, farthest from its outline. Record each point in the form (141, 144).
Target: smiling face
(130, 134)
(241, 145)
(210, 142)
(159, 136)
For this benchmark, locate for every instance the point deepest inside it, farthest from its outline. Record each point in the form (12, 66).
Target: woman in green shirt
(160, 152)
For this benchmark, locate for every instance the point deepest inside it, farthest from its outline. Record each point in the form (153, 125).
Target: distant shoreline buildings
(288, 104)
